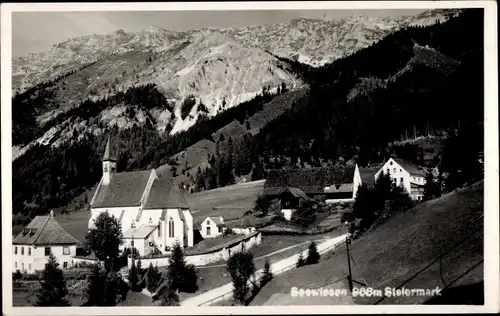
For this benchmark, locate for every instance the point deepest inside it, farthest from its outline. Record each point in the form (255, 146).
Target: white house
(32, 246)
(406, 174)
(150, 206)
(212, 227)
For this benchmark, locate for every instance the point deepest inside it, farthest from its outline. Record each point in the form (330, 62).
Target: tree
(262, 205)
(53, 289)
(133, 278)
(300, 261)
(431, 188)
(105, 239)
(362, 206)
(304, 215)
(267, 275)
(183, 277)
(168, 296)
(313, 254)
(153, 278)
(241, 267)
(104, 289)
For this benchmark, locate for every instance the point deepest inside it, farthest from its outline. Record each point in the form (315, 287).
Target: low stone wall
(219, 253)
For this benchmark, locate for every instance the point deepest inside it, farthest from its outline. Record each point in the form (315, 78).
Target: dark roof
(44, 230)
(311, 180)
(298, 193)
(124, 189)
(108, 155)
(412, 168)
(165, 194)
(368, 175)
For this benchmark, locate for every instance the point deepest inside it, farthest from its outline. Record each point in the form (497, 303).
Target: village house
(150, 206)
(406, 174)
(42, 236)
(328, 184)
(212, 227)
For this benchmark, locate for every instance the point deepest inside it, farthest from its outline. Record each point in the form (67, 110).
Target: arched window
(171, 227)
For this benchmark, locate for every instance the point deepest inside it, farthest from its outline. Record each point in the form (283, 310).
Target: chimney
(221, 219)
(51, 213)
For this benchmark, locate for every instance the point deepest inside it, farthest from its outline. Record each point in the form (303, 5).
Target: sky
(38, 31)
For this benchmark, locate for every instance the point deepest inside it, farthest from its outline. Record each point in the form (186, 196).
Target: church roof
(108, 155)
(124, 189)
(44, 230)
(165, 194)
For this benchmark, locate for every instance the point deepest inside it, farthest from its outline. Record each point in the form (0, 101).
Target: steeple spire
(107, 152)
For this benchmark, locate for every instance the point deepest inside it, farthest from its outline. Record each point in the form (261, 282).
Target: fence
(258, 275)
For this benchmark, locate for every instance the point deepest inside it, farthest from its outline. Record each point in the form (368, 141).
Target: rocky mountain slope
(311, 41)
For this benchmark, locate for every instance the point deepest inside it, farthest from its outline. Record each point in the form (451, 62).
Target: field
(230, 202)
(399, 248)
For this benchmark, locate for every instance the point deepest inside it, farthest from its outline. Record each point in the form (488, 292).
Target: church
(151, 207)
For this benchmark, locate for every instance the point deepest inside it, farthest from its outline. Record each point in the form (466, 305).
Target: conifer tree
(183, 276)
(313, 254)
(267, 275)
(53, 289)
(300, 261)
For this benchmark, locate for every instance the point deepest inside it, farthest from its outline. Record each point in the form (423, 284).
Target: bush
(16, 276)
(313, 254)
(300, 261)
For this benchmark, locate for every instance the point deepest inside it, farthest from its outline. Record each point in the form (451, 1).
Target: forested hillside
(416, 80)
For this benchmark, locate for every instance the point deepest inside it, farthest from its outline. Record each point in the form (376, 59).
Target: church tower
(108, 164)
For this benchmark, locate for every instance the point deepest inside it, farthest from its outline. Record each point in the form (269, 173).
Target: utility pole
(349, 277)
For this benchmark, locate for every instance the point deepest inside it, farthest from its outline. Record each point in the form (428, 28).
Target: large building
(150, 206)
(330, 183)
(32, 246)
(406, 174)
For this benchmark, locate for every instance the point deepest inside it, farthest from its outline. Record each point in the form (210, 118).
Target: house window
(400, 170)
(220, 229)
(208, 230)
(171, 228)
(393, 170)
(65, 250)
(388, 170)
(15, 250)
(390, 163)
(15, 264)
(29, 251)
(159, 230)
(47, 251)
(105, 168)
(22, 267)
(65, 265)
(401, 179)
(22, 251)
(29, 267)
(150, 220)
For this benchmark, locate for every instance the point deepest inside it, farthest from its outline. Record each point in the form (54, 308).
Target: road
(225, 291)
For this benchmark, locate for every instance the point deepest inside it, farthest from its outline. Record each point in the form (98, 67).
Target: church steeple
(108, 164)
(107, 152)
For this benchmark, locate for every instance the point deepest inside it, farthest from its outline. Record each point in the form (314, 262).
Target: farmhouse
(212, 227)
(329, 183)
(150, 206)
(290, 200)
(406, 174)
(42, 236)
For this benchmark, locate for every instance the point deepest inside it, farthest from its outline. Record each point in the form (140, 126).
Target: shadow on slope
(404, 251)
